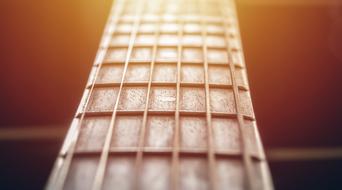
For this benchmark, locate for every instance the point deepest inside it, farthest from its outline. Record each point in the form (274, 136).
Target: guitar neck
(167, 104)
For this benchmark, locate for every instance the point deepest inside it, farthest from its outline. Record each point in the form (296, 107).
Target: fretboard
(167, 104)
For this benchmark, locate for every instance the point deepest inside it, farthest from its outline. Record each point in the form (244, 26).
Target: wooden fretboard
(167, 104)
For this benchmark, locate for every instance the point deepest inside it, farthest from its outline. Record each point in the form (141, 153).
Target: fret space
(193, 134)
(193, 172)
(163, 98)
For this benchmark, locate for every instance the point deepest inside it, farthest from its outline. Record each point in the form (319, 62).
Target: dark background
(294, 59)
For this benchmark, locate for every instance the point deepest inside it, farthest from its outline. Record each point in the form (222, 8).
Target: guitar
(167, 104)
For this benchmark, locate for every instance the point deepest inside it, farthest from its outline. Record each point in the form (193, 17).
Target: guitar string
(249, 179)
(100, 172)
(211, 154)
(61, 168)
(176, 136)
(142, 135)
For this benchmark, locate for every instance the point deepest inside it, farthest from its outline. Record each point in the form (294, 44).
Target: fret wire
(99, 176)
(171, 84)
(211, 154)
(168, 150)
(176, 136)
(249, 179)
(163, 112)
(142, 135)
(60, 171)
(174, 62)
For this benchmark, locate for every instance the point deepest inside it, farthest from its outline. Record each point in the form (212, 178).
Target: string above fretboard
(167, 104)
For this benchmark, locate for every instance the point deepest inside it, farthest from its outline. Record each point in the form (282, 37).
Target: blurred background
(293, 52)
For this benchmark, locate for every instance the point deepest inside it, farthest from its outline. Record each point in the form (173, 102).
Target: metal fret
(183, 84)
(167, 104)
(234, 154)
